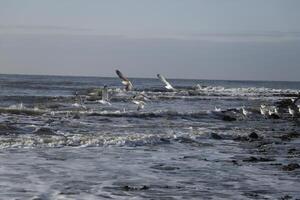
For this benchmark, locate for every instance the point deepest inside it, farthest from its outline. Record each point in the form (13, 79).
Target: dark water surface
(58, 145)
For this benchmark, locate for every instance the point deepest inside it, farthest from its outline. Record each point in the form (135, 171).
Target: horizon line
(170, 78)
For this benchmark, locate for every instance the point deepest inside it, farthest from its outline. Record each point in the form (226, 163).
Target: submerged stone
(291, 167)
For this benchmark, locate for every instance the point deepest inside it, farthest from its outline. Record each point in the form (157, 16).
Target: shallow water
(56, 145)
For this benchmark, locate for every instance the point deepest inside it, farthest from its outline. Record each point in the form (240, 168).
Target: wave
(45, 137)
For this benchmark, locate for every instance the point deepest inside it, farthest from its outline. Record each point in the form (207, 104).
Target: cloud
(259, 36)
(246, 36)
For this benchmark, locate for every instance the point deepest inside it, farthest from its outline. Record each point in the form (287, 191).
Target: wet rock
(165, 140)
(251, 195)
(253, 135)
(291, 167)
(258, 159)
(241, 138)
(274, 116)
(163, 167)
(216, 136)
(44, 131)
(286, 197)
(131, 188)
(276, 164)
(292, 151)
(289, 136)
(6, 129)
(76, 116)
(228, 118)
(235, 162)
(285, 103)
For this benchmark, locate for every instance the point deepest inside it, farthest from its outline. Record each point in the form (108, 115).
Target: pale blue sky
(212, 39)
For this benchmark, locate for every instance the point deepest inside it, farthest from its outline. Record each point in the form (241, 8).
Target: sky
(199, 39)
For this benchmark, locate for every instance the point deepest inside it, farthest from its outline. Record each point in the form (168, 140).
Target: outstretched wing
(167, 84)
(125, 81)
(121, 76)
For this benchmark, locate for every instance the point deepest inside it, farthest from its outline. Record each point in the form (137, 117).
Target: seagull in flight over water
(167, 84)
(125, 81)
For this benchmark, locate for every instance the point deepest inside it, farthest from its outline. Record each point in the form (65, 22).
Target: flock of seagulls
(273, 111)
(140, 100)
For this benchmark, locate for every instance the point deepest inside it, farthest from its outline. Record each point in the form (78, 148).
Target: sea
(57, 141)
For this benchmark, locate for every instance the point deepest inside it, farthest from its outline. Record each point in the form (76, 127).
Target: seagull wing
(167, 84)
(121, 76)
(125, 81)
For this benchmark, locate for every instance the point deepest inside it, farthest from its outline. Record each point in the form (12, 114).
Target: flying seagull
(167, 84)
(125, 81)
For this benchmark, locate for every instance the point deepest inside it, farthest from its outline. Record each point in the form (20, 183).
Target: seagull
(217, 109)
(125, 81)
(167, 84)
(105, 96)
(245, 112)
(263, 106)
(139, 100)
(198, 87)
(141, 104)
(292, 111)
(263, 111)
(273, 112)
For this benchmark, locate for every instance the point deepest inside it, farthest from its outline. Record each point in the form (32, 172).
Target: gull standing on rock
(292, 111)
(273, 112)
(245, 112)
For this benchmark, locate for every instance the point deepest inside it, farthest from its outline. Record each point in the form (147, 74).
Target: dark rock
(6, 129)
(44, 131)
(131, 188)
(274, 116)
(235, 162)
(253, 135)
(228, 118)
(289, 136)
(259, 159)
(292, 151)
(215, 136)
(291, 167)
(165, 140)
(241, 138)
(76, 116)
(163, 167)
(286, 197)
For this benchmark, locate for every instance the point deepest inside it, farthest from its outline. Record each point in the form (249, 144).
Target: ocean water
(58, 145)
